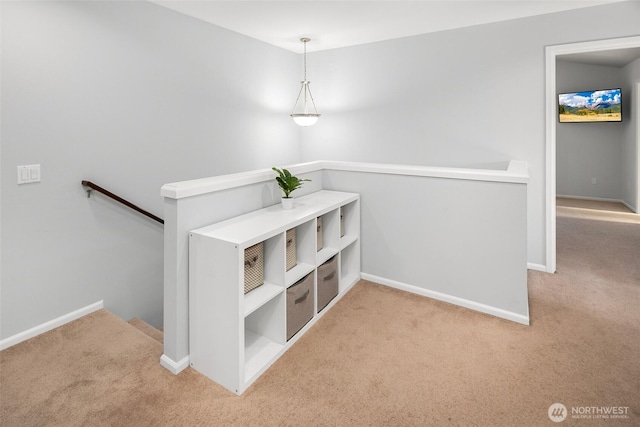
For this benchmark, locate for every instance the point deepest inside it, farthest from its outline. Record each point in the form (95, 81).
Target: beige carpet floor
(380, 357)
(596, 210)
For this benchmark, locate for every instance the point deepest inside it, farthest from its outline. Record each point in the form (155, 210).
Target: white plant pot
(287, 202)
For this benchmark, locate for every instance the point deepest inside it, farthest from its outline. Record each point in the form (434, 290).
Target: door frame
(551, 53)
(637, 113)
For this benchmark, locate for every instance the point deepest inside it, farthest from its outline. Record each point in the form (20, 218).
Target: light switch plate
(28, 174)
(34, 173)
(23, 174)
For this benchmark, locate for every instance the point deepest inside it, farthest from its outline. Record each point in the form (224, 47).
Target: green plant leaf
(287, 182)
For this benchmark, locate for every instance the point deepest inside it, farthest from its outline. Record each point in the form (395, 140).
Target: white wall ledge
(516, 172)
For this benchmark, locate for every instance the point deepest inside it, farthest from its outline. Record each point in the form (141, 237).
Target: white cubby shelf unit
(234, 337)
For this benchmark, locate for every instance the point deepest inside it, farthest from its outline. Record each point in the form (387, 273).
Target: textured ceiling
(335, 24)
(611, 58)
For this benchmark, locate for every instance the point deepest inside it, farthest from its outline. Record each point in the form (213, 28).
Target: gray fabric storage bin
(299, 305)
(327, 282)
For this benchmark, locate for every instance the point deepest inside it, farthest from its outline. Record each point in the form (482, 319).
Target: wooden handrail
(117, 198)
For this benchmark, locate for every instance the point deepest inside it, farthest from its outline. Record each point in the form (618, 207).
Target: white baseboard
(631, 208)
(537, 267)
(174, 367)
(595, 199)
(494, 311)
(600, 199)
(52, 324)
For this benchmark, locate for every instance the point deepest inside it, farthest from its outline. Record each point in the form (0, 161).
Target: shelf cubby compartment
(260, 296)
(273, 276)
(349, 266)
(330, 236)
(264, 336)
(351, 223)
(305, 253)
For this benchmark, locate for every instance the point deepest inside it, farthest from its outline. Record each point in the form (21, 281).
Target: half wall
(457, 235)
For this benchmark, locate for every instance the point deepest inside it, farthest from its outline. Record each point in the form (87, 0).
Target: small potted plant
(288, 183)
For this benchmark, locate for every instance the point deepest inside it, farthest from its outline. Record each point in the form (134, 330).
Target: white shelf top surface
(259, 225)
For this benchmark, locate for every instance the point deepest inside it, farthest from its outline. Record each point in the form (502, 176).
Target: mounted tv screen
(590, 106)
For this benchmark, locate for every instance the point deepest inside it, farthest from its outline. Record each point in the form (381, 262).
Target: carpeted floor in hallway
(380, 357)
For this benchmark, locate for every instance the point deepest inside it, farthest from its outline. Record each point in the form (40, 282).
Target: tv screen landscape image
(590, 106)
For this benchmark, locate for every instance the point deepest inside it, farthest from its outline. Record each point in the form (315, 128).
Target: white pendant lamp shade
(304, 111)
(305, 119)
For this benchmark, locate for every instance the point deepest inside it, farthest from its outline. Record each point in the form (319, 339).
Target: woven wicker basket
(319, 238)
(253, 267)
(291, 249)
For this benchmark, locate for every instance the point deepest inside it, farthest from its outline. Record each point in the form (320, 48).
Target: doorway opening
(551, 54)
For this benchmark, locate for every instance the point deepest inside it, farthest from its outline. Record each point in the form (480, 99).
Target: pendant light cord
(305, 59)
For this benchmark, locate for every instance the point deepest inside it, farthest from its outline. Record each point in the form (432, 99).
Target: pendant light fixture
(304, 111)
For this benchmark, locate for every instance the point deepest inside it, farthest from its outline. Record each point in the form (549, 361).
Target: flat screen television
(590, 106)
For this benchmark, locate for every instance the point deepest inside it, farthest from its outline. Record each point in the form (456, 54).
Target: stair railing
(119, 199)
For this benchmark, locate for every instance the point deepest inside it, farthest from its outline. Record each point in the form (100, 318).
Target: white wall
(589, 150)
(129, 95)
(463, 239)
(466, 97)
(629, 151)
